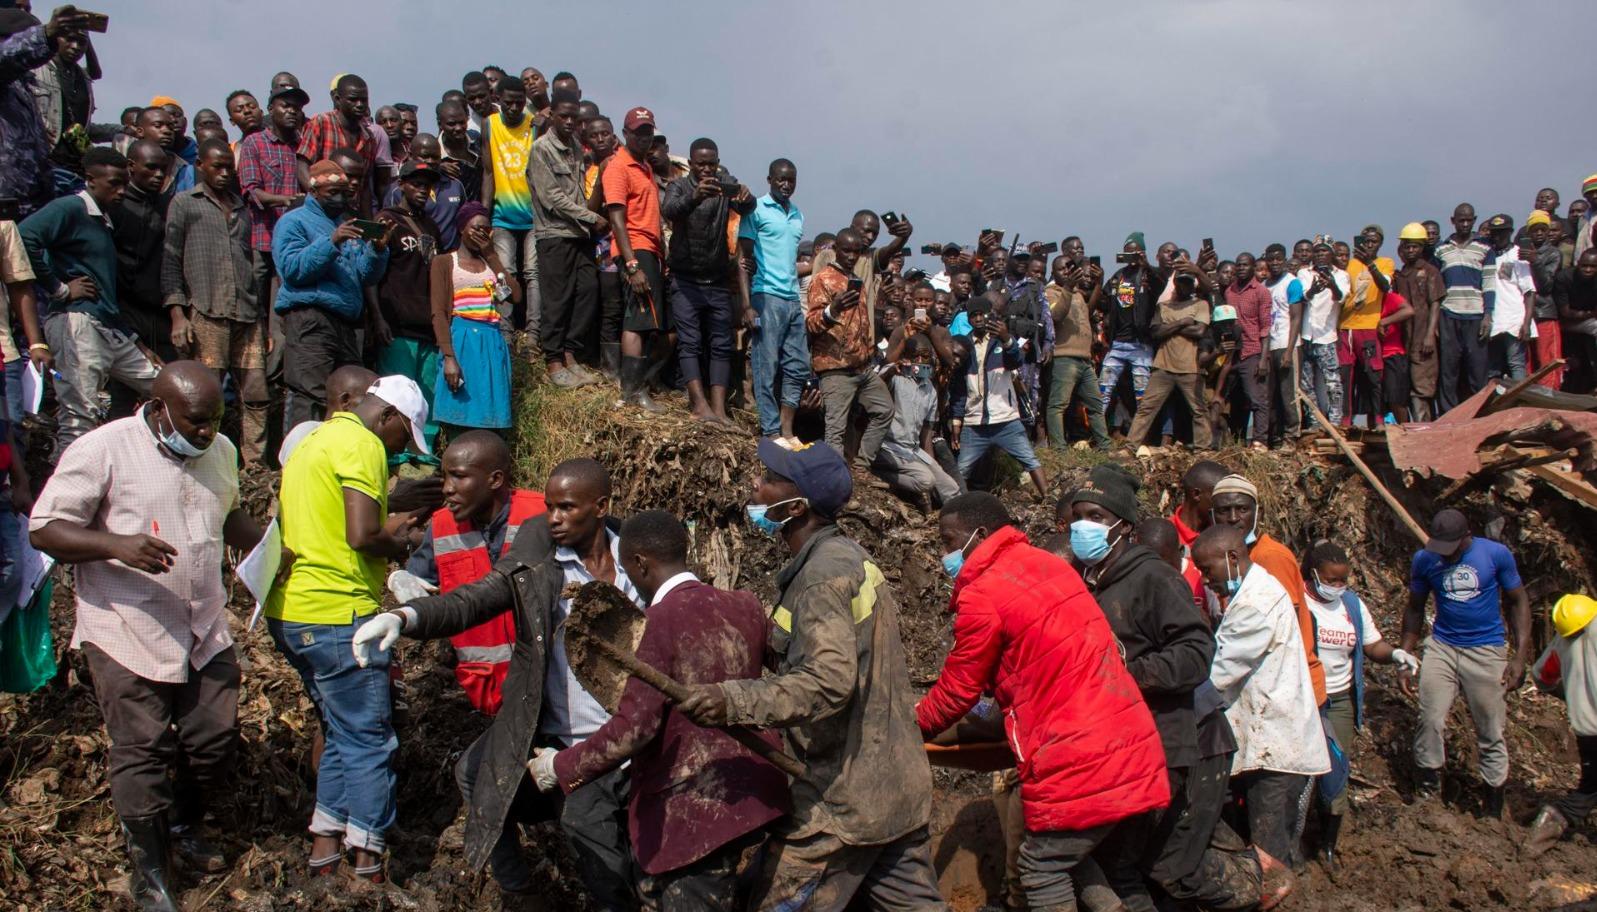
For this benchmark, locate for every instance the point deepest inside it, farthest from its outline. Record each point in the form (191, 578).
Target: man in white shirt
(1505, 284)
(1324, 287)
(1262, 677)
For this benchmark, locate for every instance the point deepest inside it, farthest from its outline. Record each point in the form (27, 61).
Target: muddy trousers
(1274, 804)
(1046, 860)
(710, 884)
(156, 727)
(1576, 805)
(593, 819)
(1478, 672)
(821, 873)
(1185, 850)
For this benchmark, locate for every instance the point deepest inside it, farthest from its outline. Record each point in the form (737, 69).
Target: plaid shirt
(267, 164)
(206, 262)
(326, 132)
(117, 478)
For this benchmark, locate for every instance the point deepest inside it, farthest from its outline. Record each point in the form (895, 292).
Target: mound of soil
(63, 849)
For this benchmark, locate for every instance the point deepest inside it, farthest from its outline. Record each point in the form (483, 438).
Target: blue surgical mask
(923, 373)
(1253, 533)
(954, 561)
(1089, 540)
(757, 519)
(174, 441)
(1233, 584)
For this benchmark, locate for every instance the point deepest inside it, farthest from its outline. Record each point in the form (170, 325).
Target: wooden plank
(1565, 483)
(1326, 428)
(1510, 395)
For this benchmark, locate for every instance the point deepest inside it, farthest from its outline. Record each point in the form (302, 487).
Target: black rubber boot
(1493, 809)
(633, 388)
(610, 359)
(151, 883)
(1330, 829)
(1427, 784)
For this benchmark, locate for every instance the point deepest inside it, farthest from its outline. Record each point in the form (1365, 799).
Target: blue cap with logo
(816, 469)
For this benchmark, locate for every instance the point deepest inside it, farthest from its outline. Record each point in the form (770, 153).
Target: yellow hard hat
(1572, 613)
(1413, 231)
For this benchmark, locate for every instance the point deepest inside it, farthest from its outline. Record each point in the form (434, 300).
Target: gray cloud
(1245, 120)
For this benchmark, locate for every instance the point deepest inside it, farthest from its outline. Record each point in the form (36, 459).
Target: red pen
(155, 527)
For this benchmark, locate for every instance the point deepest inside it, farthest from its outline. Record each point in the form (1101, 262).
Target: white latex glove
(407, 587)
(1405, 661)
(384, 630)
(542, 768)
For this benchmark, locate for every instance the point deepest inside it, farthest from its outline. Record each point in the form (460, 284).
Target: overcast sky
(1245, 120)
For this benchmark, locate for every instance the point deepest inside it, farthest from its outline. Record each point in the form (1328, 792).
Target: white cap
(405, 396)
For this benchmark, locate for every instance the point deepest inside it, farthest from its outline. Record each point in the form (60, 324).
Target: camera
(1050, 247)
(1094, 261)
(1127, 258)
(856, 284)
(932, 249)
(729, 186)
(889, 218)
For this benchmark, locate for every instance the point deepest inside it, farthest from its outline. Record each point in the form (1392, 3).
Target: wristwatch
(631, 267)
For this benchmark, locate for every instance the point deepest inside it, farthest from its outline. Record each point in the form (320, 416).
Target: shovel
(602, 634)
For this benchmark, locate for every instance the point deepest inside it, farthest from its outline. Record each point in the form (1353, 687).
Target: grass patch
(549, 424)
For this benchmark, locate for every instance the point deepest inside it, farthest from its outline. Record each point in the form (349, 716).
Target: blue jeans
(14, 371)
(1135, 355)
(11, 531)
(1010, 436)
(1320, 377)
(1505, 357)
(781, 356)
(355, 782)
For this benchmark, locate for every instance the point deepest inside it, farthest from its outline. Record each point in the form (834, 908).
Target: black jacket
(527, 580)
(699, 251)
(1164, 640)
(1145, 303)
(138, 229)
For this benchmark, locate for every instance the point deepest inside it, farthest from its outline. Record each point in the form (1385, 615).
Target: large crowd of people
(1179, 695)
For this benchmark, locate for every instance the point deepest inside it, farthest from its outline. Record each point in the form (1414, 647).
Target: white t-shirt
(1284, 292)
(1321, 312)
(1510, 278)
(1334, 633)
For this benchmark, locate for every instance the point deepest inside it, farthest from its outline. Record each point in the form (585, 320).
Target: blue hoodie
(315, 273)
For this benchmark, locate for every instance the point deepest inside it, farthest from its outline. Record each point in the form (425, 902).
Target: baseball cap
(291, 92)
(816, 469)
(1448, 530)
(636, 118)
(1499, 223)
(405, 396)
(413, 167)
(951, 247)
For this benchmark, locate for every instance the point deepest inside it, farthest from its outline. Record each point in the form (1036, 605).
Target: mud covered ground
(60, 849)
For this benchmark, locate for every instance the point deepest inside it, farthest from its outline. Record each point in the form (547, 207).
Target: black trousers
(593, 819)
(568, 281)
(318, 343)
(158, 727)
(612, 304)
(710, 884)
(1462, 358)
(703, 318)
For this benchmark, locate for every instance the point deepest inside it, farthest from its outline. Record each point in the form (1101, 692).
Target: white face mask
(1331, 594)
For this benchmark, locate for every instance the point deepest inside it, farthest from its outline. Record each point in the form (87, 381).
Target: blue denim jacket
(316, 273)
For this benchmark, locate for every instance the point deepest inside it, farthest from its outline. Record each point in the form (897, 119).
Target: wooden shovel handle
(676, 693)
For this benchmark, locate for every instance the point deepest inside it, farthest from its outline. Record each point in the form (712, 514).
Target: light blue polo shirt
(776, 233)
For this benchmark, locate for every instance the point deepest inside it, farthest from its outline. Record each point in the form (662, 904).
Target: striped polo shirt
(1461, 273)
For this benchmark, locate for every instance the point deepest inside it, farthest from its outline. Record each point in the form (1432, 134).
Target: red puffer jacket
(1027, 629)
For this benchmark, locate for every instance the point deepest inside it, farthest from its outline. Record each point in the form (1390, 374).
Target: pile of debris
(63, 850)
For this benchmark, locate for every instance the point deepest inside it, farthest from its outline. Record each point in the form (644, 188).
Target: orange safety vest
(482, 654)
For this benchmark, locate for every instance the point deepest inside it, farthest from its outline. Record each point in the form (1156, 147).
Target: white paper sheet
(34, 567)
(258, 570)
(32, 389)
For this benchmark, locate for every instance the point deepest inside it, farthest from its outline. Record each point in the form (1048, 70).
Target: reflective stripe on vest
(482, 653)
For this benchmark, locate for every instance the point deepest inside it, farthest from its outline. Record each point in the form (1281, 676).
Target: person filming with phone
(842, 341)
(324, 261)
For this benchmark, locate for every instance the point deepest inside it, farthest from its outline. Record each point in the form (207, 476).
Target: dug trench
(60, 847)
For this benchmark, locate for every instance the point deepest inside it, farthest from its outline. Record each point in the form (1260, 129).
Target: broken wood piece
(1364, 469)
(1512, 394)
(1565, 483)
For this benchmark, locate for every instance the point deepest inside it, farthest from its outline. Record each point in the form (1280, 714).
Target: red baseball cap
(636, 118)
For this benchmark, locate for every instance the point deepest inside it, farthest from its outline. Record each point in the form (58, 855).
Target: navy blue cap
(816, 469)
